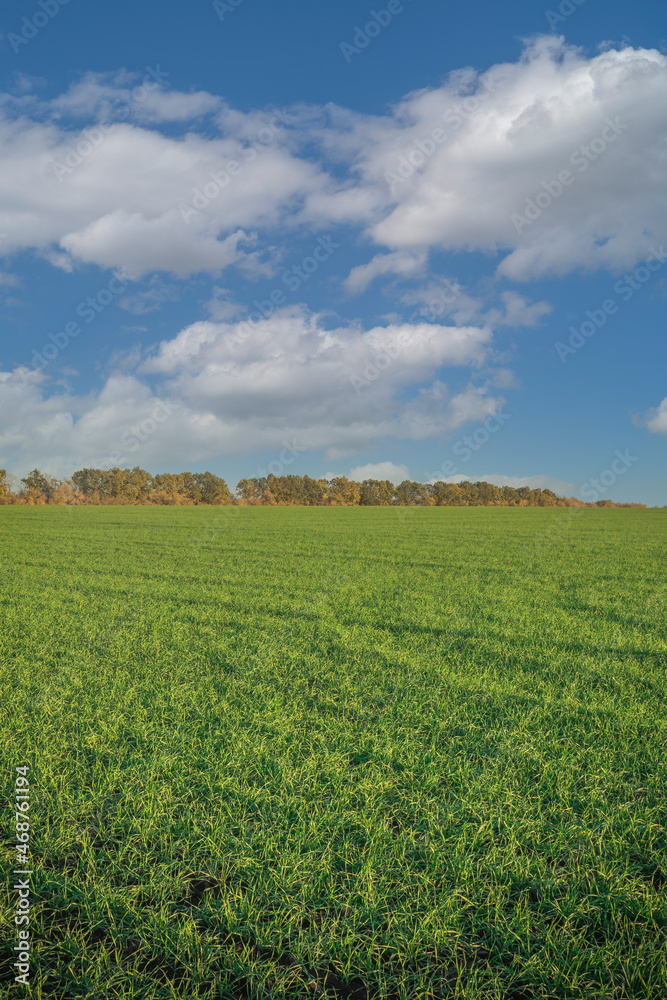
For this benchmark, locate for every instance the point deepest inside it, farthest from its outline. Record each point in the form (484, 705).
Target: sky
(419, 240)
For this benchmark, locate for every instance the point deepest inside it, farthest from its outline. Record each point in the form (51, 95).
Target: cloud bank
(454, 167)
(225, 389)
(548, 165)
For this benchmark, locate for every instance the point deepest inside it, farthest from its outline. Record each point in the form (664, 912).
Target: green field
(338, 752)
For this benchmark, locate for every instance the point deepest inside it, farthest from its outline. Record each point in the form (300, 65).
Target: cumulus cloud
(142, 97)
(137, 244)
(444, 297)
(59, 431)
(335, 389)
(240, 388)
(130, 197)
(403, 263)
(380, 470)
(439, 299)
(517, 311)
(455, 167)
(222, 305)
(458, 162)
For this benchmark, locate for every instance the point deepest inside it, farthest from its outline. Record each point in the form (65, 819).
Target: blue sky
(413, 239)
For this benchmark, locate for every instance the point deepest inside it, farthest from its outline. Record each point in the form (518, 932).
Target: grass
(353, 752)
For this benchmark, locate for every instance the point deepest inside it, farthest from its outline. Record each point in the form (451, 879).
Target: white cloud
(292, 334)
(505, 134)
(332, 389)
(153, 297)
(380, 470)
(655, 420)
(403, 263)
(445, 297)
(60, 432)
(133, 198)
(221, 306)
(242, 389)
(136, 96)
(132, 241)
(517, 311)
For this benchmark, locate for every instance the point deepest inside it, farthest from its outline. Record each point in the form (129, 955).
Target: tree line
(117, 486)
(137, 486)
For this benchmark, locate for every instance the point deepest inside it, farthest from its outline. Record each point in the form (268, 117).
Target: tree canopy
(137, 486)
